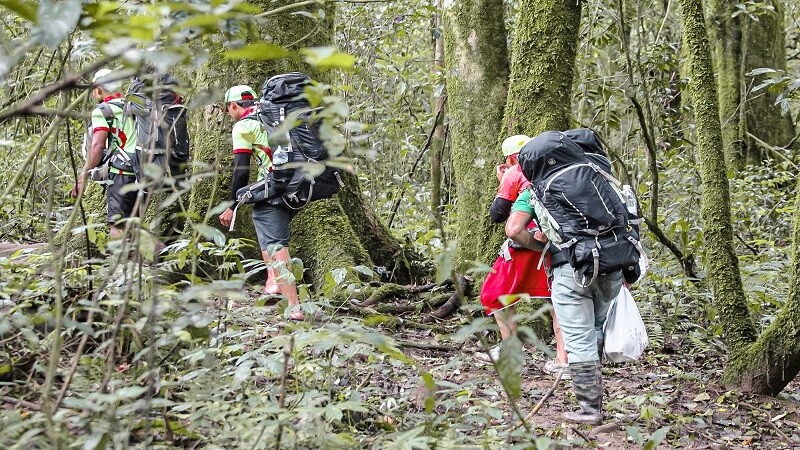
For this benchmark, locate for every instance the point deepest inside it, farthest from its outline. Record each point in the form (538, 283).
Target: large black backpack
(294, 138)
(578, 204)
(161, 127)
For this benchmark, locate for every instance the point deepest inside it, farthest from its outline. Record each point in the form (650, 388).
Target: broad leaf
(260, 51)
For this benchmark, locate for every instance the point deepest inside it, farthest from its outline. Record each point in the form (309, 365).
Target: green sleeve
(522, 203)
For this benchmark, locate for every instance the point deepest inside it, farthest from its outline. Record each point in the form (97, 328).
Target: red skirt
(519, 276)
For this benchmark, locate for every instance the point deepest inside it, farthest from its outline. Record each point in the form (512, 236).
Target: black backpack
(161, 127)
(294, 138)
(578, 204)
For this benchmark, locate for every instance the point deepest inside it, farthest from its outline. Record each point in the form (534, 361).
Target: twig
(424, 346)
(34, 101)
(774, 150)
(425, 147)
(582, 434)
(769, 422)
(287, 353)
(23, 403)
(545, 397)
(605, 428)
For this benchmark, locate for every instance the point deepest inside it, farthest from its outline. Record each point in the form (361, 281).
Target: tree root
(454, 301)
(384, 292)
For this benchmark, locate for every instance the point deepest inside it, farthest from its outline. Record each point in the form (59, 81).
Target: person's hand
(226, 217)
(501, 169)
(539, 236)
(77, 189)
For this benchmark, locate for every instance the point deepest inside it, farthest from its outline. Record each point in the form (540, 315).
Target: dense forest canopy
(108, 344)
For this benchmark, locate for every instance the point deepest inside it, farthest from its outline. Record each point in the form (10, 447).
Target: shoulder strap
(105, 108)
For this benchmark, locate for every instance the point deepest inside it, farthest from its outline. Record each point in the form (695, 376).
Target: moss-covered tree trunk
(723, 265)
(477, 79)
(542, 67)
(769, 364)
(321, 234)
(740, 44)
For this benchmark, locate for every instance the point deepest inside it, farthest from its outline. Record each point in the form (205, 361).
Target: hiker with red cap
(518, 272)
(271, 220)
(110, 145)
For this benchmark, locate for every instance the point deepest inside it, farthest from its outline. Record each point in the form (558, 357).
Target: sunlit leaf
(260, 51)
(328, 58)
(23, 8)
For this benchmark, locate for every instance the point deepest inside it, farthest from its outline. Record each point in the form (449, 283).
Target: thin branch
(425, 147)
(69, 82)
(545, 397)
(686, 260)
(775, 151)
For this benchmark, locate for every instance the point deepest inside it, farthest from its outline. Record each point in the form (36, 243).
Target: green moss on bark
(723, 265)
(769, 364)
(542, 67)
(477, 79)
(741, 44)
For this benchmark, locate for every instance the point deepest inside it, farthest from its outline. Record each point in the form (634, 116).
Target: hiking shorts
(272, 225)
(120, 204)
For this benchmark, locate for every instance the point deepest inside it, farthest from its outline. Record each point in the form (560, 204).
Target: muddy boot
(600, 347)
(588, 386)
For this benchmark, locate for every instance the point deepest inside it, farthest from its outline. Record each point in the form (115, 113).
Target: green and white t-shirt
(122, 130)
(250, 137)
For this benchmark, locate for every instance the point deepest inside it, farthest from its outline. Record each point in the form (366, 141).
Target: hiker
(112, 139)
(271, 221)
(516, 271)
(575, 201)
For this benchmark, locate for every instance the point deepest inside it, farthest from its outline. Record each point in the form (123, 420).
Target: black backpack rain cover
(594, 226)
(282, 98)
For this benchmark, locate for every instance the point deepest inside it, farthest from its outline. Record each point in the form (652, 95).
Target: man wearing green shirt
(271, 221)
(113, 137)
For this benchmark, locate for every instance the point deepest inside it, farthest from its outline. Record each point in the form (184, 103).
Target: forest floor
(678, 395)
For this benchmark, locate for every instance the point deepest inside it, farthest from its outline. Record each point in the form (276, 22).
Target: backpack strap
(105, 108)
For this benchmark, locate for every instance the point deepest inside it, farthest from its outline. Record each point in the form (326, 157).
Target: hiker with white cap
(271, 220)
(519, 270)
(112, 140)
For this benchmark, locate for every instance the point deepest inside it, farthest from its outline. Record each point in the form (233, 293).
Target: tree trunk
(438, 137)
(723, 265)
(769, 364)
(741, 44)
(542, 66)
(477, 78)
(321, 234)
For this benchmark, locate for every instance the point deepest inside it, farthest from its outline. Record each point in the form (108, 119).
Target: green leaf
(260, 51)
(209, 232)
(509, 365)
(760, 71)
(328, 58)
(24, 9)
(656, 438)
(55, 22)
(130, 391)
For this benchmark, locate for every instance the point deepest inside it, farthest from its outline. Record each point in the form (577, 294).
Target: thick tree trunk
(741, 44)
(723, 265)
(477, 78)
(542, 66)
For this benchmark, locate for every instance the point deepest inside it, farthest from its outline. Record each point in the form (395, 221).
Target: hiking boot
(485, 357)
(552, 367)
(588, 387)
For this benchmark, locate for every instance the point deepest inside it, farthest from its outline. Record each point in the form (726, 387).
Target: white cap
(107, 80)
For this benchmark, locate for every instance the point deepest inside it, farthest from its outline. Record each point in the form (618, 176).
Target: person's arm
(93, 159)
(242, 150)
(500, 209)
(241, 173)
(517, 230)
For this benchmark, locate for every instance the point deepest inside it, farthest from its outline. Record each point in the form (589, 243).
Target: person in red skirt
(519, 271)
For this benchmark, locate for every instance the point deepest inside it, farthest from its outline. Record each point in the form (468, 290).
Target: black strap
(105, 108)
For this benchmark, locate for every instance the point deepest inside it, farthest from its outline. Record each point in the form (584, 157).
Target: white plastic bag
(625, 335)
